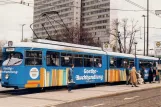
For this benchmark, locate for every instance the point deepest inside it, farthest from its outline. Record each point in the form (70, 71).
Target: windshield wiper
(8, 61)
(17, 62)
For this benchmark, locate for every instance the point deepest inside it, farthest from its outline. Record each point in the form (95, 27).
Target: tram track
(137, 101)
(145, 98)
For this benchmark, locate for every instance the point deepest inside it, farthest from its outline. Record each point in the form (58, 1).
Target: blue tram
(45, 63)
(146, 62)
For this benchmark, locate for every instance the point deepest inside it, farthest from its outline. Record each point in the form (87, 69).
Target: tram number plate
(9, 49)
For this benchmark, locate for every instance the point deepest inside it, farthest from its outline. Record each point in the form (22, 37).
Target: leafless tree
(124, 34)
(2, 43)
(77, 35)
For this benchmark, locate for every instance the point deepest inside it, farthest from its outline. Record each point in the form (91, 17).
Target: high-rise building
(93, 15)
(96, 18)
(69, 11)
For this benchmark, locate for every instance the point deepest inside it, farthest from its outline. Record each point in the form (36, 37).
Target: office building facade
(93, 15)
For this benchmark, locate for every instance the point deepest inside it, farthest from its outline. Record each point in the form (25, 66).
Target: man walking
(70, 78)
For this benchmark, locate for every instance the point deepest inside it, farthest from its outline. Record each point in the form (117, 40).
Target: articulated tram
(45, 63)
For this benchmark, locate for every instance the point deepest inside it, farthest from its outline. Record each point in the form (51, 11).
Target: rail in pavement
(51, 99)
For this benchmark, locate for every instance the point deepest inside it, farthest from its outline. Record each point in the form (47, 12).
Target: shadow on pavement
(51, 89)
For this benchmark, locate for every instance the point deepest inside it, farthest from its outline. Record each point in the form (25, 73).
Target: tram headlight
(6, 76)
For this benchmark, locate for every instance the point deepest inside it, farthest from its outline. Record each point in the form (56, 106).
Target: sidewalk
(50, 99)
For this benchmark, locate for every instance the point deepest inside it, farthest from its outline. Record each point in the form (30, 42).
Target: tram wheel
(42, 89)
(15, 88)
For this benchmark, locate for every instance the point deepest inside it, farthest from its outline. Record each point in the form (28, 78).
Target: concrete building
(93, 15)
(96, 18)
(69, 12)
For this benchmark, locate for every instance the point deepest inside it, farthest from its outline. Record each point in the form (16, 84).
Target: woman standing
(133, 77)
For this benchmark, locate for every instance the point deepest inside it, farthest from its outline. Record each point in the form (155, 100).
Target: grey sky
(155, 34)
(14, 15)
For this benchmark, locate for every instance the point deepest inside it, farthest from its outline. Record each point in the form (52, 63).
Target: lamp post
(147, 26)
(22, 30)
(144, 33)
(135, 43)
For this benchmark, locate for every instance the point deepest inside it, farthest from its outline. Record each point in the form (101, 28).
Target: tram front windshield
(12, 58)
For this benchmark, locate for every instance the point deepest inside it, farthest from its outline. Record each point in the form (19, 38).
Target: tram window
(97, 61)
(112, 62)
(125, 62)
(146, 64)
(33, 58)
(88, 61)
(12, 58)
(155, 63)
(52, 58)
(66, 59)
(120, 63)
(12, 55)
(131, 63)
(78, 60)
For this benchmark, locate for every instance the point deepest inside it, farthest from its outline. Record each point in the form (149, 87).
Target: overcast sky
(14, 15)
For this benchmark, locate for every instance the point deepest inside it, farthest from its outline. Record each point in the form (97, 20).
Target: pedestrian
(133, 77)
(157, 75)
(70, 78)
(143, 74)
(150, 77)
(159, 71)
(127, 74)
(139, 79)
(154, 74)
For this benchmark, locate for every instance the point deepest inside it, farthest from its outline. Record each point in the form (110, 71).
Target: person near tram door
(70, 78)
(150, 78)
(127, 75)
(133, 77)
(154, 74)
(143, 73)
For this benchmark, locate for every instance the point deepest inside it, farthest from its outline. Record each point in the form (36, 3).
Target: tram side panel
(90, 75)
(115, 72)
(58, 75)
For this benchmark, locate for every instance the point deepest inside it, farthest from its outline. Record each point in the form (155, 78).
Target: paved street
(52, 98)
(148, 98)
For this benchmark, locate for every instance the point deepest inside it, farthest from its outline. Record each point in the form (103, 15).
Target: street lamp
(22, 30)
(135, 43)
(144, 33)
(147, 26)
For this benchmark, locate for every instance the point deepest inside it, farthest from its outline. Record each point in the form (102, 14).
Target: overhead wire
(6, 2)
(141, 7)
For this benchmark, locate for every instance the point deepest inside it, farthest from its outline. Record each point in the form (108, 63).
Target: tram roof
(146, 57)
(120, 54)
(65, 44)
(46, 44)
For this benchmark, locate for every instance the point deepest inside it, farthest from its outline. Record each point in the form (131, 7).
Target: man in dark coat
(70, 77)
(154, 74)
(143, 73)
(127, 74)
(150, 78)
